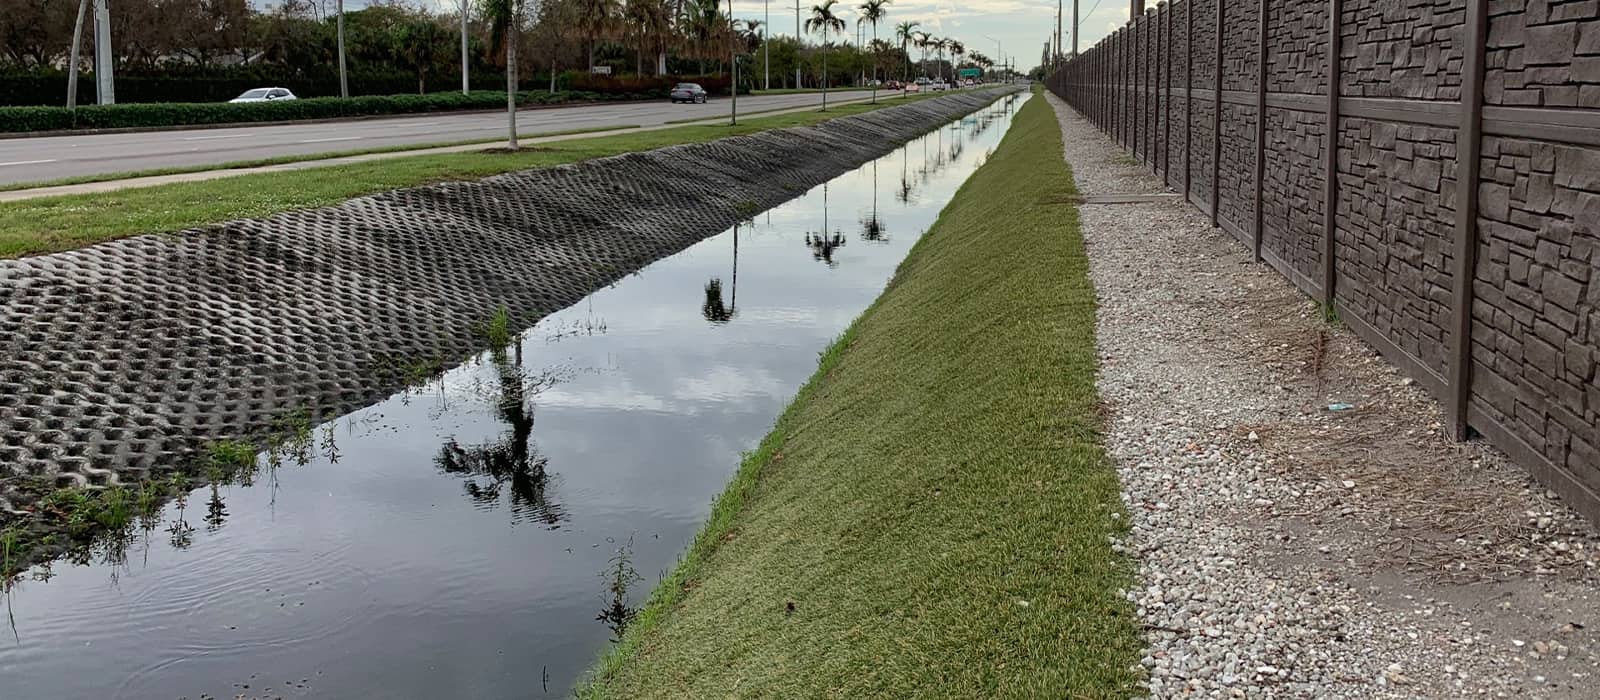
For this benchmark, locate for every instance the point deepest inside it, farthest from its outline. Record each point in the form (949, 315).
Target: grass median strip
(930, 517)
(302, 158)
(53, 224)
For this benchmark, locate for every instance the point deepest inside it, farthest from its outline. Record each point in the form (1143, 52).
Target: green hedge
(48, 87)
(25, 119)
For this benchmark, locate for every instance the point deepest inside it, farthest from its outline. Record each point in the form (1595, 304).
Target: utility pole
(733, 60)
(801, 42)
(1057, 58)
(767, 47)
(1074, 28)
(466, 83)
(344, 83)
(104, 57)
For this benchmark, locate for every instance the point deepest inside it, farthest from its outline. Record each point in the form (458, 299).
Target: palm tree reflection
(713, 309)
(872, 226)
(510, 464)
(824, 242)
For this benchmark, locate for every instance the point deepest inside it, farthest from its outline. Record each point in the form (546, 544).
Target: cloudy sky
(1021, 26)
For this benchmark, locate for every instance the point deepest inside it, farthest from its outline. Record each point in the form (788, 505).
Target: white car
(263, 95)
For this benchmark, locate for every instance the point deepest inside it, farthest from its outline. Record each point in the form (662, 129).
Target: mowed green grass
(53, 224)
(930, 517)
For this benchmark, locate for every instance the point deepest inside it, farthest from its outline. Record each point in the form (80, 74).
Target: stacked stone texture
(1396, 223)
(1535, 316)
(1410, 49)
(1536, 336)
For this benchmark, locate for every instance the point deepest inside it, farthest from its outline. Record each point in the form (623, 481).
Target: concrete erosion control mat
(129, 356)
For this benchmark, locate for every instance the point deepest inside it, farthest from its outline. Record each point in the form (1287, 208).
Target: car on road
(688, 92)
(274, 94)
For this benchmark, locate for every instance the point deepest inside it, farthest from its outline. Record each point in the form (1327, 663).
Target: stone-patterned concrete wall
(1236, 178)
(1297, 51)
(1240, 47)
(1406, 49)
(1177, 151)
(1396, 221)
(1524, 372)
(1293, 187)
(1543, 53)
(1536, 332)
(1203, 52)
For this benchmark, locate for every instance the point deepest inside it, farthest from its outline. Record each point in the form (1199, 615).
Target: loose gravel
(1289, 550)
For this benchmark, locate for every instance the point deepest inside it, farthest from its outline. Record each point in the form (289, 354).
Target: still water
(460, 539)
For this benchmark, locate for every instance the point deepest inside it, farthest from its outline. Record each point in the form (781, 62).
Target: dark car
(688, 92)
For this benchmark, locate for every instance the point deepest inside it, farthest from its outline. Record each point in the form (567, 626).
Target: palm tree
(702, 21)
(906, 33)
(596, 19)
(822, 18)
(939, 46)
(924, 40)
(873, 12)
(648, 24)
(505, 21)
(956, 50)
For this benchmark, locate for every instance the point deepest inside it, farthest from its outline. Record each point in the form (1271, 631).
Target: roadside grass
(930, 517)
(282, 160)
(53, 224)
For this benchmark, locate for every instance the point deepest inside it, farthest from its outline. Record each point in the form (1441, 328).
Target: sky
(1021, 26)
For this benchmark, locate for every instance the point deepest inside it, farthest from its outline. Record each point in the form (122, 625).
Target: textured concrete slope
(128, 356)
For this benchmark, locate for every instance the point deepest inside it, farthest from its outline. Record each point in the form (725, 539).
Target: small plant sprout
(495, 331)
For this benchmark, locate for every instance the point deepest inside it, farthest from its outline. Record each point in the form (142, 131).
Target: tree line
(187, 38)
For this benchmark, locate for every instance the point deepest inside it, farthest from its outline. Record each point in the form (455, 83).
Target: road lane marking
(336, 138)
(28, 162)
(209, 138)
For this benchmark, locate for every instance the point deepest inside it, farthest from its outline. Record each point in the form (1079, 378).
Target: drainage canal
(483, 533)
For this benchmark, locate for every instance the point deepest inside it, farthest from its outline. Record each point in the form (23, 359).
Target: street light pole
(799, 44)
(733, 59)
(104, 59)
(766, 49)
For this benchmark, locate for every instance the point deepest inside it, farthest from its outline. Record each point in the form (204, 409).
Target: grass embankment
(930, 517)
(53, 224)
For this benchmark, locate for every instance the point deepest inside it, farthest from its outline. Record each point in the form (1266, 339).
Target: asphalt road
(53, 157)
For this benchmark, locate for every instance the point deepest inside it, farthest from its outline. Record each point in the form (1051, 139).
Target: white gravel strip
(1280, 550)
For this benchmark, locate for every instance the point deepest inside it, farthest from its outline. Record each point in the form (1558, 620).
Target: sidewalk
(1286, 550)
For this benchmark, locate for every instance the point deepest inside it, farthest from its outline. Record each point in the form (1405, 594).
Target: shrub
(23, 119)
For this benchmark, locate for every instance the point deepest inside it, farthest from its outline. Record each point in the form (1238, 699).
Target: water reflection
(509, 464)
(872, 228)
(395, 545)
(714, 310)
(824, 242)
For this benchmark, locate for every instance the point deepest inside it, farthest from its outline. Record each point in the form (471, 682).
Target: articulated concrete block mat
(129, 356)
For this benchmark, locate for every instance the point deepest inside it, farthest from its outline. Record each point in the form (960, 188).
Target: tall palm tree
(649, 27)
(822, 19)
(596, 20)
(906, 32)
(956, 50)
(924, 40)
(702, 22)
(873, 12)
(505, 21)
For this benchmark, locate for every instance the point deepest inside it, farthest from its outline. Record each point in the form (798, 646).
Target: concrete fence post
(1469, 142)
(1188, 96)
(1216, 119)
(1261, 126)
(1330, 158)
(1166, 93)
